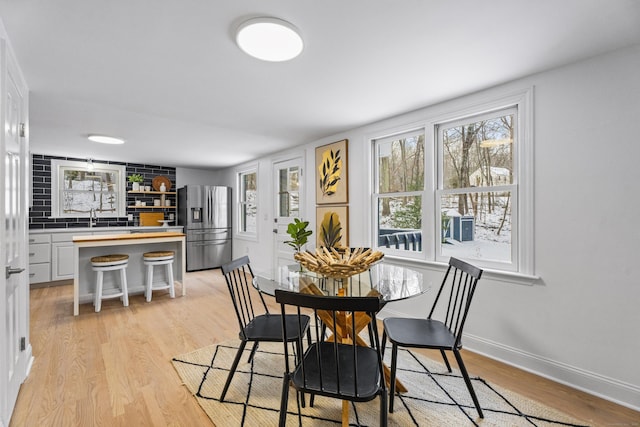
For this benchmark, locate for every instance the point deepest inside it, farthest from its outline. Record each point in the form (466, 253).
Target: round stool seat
(105, 260)
(158, 255)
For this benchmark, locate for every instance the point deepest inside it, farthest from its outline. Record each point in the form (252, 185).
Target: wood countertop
(130, 236)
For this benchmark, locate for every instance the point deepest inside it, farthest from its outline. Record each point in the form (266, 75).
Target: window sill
(496, 275)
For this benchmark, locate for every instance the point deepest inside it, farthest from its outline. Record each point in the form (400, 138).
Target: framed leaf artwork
(331, 173)
(332, 226)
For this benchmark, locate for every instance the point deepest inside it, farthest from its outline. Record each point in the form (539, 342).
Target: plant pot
(135, 186)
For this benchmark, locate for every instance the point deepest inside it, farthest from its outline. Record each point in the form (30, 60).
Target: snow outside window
(76, 190)
(399, 193)
(248, 195)
(462, 187)
(476, 189)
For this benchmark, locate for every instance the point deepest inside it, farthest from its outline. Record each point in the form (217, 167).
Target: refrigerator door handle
(210, 243)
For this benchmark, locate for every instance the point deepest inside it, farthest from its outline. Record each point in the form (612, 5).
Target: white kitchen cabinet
(51, 254)
(39, 258)
(61, 261)
(62, 255)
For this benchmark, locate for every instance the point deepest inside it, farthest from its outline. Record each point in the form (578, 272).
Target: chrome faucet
(92, 218)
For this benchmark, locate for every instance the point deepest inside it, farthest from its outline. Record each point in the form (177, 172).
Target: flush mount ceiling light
(103, 139)
(269, 39)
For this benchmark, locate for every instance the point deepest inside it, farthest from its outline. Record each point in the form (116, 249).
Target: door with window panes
(288, 194)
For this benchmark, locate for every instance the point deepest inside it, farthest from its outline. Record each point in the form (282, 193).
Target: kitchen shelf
(151, 207)
(151, 192)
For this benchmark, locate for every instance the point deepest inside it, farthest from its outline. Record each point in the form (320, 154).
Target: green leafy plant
(136, 177)
(299, 234)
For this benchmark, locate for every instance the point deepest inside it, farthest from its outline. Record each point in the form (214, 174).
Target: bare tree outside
(477, 162)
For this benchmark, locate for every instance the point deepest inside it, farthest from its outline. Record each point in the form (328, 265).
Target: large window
(400, 190)
(248, 196)
(459, 187)
(77, 190)
(476, 188)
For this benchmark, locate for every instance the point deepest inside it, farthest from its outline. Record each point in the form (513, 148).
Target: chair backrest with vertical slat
(343, 365)
(455, 295)
(238, 275)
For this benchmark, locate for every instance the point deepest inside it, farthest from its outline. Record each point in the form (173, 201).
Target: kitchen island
(134, 245)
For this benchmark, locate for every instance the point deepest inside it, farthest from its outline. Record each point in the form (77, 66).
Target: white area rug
(435, 397)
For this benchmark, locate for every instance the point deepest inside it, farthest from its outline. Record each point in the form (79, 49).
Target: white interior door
(14, 305)
(287, 177)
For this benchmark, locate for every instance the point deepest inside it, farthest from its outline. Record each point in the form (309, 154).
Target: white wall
(186, 176)
(579, 323)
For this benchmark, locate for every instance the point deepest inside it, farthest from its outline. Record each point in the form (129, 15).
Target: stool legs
(167, 284)
(149, 285)
(99, 291)
(97, 300)
(125, 291)
(172, 291)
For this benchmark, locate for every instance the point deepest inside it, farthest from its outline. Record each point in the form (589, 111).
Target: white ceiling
(168, 77)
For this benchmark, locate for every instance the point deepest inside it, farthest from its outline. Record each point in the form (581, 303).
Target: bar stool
(157, 258)
(103, 263)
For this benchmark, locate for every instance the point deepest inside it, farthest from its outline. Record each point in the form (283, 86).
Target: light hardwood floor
(114, 367)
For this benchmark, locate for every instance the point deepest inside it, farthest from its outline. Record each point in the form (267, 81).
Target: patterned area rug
(435, 397)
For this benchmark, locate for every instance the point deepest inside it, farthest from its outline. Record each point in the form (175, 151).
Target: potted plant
(299, 234)
(136, 179)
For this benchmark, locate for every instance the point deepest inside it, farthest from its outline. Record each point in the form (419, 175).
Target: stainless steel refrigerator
(205, 213)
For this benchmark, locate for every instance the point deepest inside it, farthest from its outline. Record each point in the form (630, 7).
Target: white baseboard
(30, 362)
(616, 391)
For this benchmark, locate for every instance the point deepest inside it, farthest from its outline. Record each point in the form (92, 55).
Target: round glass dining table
(390, 282)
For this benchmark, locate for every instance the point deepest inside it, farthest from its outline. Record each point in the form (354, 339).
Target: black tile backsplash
(40, 212)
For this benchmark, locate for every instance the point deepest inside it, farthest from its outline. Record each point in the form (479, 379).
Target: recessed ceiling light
(103, 139)
(269, 39)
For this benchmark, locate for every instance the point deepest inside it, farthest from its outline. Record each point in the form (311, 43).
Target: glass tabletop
(392, 282)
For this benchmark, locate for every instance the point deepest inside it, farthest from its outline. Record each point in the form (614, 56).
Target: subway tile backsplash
(40, 212)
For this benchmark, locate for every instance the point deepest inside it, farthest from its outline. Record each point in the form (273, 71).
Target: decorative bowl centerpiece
(338, 263)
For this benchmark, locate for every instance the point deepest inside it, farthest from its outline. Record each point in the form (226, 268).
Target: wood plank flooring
(113, 367)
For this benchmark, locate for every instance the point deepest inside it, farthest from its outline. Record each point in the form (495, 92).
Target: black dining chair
(456, 290)
(257, 326)
(338, 366)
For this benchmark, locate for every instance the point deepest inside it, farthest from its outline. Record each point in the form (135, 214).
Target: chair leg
(392, 379)
(284, 401)
(467, 380)
(383, 408)
(383, 344)
(253, 351)
(233, 369)
(298, 351)
(446, 361)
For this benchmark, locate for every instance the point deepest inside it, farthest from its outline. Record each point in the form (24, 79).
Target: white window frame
(512, 188)
(57, 174)
(377, 196)
(522, 268)
(241, 203)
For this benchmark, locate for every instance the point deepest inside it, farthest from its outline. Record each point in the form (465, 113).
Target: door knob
(9, 271)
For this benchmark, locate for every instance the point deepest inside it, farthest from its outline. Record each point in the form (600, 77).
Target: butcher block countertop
(131, 236)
